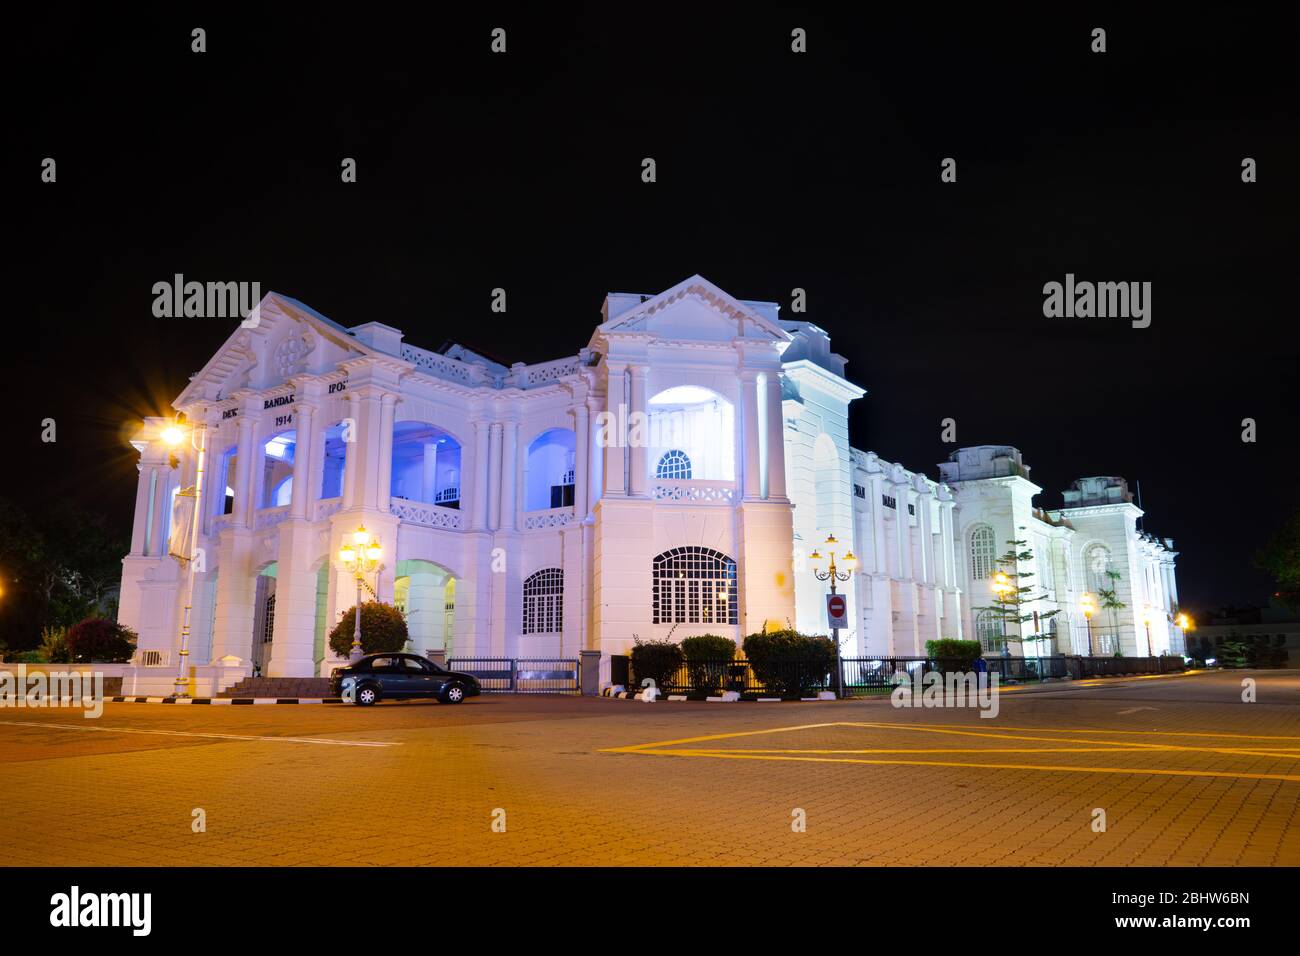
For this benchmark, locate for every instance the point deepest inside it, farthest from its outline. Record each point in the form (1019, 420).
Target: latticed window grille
(983, 553)
(1098, 563)
(988, 628)
(544, 602)
(674, 464)
(695, 585)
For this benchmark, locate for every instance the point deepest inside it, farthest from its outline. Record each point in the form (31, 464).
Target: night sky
(775, 171)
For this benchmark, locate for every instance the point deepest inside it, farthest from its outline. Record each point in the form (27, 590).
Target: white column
(615, 435)
(244, 484)
(142, 505)
(927, 536)
(352, 453)
(509, 471)
(637, 452)
(581, 459)
(300, 499)
(429, 473)
(749, 416)
(494, 477)
(775, 437)
(479, 511)
(387, 413)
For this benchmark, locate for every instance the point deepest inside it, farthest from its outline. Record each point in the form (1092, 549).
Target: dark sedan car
(400, 677)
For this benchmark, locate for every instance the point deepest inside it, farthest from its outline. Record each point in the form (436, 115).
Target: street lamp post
(173, 435)
(825, 570)
(1002, 586)
(1146, 619)
(1088, 605)
(360, 556)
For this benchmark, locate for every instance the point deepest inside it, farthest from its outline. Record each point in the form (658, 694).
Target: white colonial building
(668, 479)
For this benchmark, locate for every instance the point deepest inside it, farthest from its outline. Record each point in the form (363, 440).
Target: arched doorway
(263, 617)
(425, 593)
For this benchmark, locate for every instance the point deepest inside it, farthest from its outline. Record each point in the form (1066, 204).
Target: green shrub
(789, 663)
(952, 654)
(658, 660)
(54, 645)
(707, 659)
(383, 630)
(99, 640)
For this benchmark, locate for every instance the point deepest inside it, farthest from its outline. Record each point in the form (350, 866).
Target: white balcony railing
(430, 516)
(550, 518)
(326, 507)
(270, 517)
(693, 491)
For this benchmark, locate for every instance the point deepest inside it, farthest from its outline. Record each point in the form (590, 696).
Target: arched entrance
(425, 592)
(263, 616)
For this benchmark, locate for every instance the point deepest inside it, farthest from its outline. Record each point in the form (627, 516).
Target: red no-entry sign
(836, 611)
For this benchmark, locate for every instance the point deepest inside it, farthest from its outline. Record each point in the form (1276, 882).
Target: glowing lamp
(173, 435)
(373, 553)
(816, 560)
(347, 555)
(849, 561)
(361, 537)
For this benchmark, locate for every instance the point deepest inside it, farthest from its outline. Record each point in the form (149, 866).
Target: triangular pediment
(280, 338)
(692, 310)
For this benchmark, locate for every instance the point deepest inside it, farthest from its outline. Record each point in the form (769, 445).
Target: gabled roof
(237, 355)
(637, 315)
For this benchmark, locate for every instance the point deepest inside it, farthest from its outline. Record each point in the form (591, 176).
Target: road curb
(223, 700)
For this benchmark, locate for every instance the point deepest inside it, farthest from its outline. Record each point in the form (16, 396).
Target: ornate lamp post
(1002, 586)
(1147, 614)
(825, 570)
(1088, 605)
(173, 435)
(360, 556)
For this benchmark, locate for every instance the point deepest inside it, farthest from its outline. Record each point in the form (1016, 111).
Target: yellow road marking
(1149, 771)
(819, 755)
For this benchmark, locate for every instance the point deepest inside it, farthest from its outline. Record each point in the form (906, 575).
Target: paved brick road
(1196, 778)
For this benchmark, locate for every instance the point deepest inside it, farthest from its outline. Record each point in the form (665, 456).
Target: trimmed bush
(658, 660)
(54, 645)
(101, 641)
(954, 655)
(707, 659)
(789, 663)
(383, 630)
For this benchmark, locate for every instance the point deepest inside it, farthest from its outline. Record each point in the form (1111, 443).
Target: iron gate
(509, 675)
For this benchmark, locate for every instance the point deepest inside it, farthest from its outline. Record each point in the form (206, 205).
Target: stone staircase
(313, 687)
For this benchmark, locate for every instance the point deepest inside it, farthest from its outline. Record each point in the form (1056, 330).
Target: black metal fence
(866, 676)
(509, 675)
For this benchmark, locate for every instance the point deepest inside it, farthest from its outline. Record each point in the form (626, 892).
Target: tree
(1280, 557)
(383, 630)
(99, 640)
(1013, 602)
(1110, 602)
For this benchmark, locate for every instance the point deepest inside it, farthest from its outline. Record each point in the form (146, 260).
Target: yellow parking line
(1148, 771)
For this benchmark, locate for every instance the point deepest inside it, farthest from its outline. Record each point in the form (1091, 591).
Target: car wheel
(367, 696)
(452, 694)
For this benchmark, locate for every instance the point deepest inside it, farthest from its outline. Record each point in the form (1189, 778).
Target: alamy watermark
(81, 689)
(1102, 300)
(208, 300)
(977, 689)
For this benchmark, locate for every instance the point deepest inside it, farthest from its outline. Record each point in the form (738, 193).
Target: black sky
(775, 170)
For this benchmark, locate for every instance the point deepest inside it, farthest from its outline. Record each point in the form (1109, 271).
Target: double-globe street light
(825, 570)
(360, 556)
(173, 435)
(1088, 605)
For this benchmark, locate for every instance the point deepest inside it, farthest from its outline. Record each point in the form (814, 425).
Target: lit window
(674, 464)
(544, 602)
(988, 628)
(983, 553)
(694, 585)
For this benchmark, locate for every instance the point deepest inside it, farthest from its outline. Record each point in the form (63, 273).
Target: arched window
(1096, 563)
(283, 492)
(544, 602)
(694, 585)
(674, 464)
(983, 553)
(988, 628)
